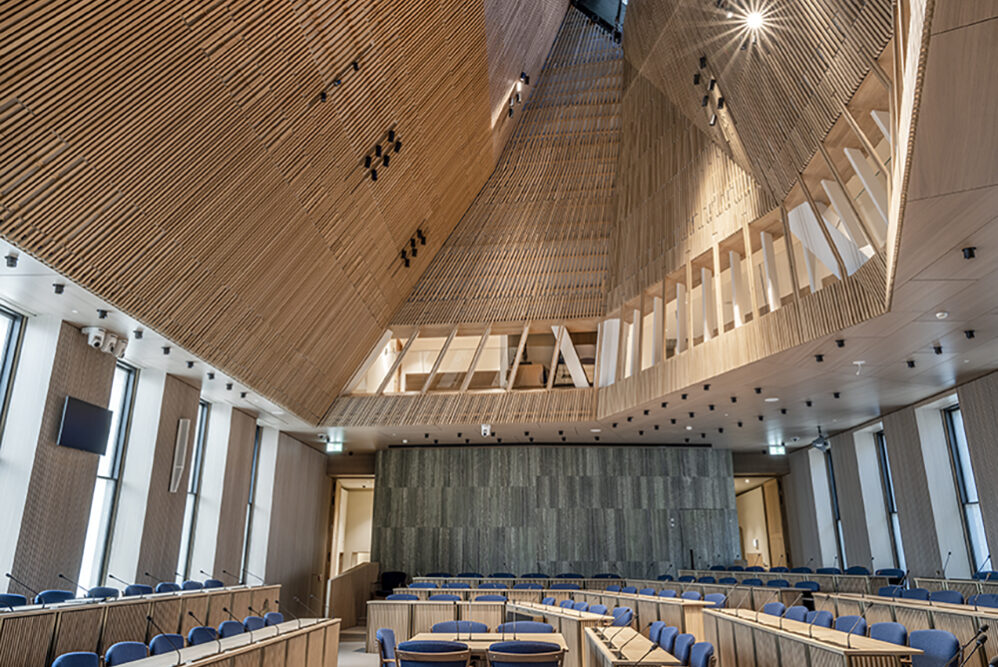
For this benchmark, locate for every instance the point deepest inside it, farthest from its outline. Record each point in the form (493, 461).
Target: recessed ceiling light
(405, 442)
(594, 430)
(942, 315)
(771, 399)
(689, 428)
(754, 20)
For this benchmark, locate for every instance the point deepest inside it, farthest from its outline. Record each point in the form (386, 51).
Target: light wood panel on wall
(633, 510)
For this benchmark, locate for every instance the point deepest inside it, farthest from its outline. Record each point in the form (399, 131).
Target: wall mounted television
(84, 426)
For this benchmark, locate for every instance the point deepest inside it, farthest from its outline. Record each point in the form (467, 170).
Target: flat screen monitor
(84, 426)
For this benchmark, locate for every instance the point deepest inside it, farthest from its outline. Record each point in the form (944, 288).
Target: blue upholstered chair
(165, 643)
(718, 568)
(774, 608)
(892, 572)
(456, 584)
(707, 580)
(983, 600)
(751, 581)
(852, 624)
(439, 575)
(123, 652)
(655, 630)
(613, 588)
(778, 583)
(950, 597)
(701, 655)
(77, 659)
(137, 589)
(727, 581)
(191, 585)
(622, 616)
(812, 586)
(533, 654)
(681, 647)
(598, 609)
(630, 590)
(252, 623)
(668, 638)
(646, 591)
(502, 575)
(890, 591)
(858, 569)
(490, 597)
(548, 600)
(535, 575)
(167, 587)
(580, 605)
(470, 575)
(201, 634)
(273, 618)
(526, 627)
(687, 579)
(230, 629)
(889, 631)
(755, 568)
(940, 648)
(719, 600)
(569, 575)
(423, 584)
(214, 583)
(103, 593)
(565, 587)
(829, 570)
(11, 600)
(821, 618)
(527, 585)
(606, 575)
(801, 570)
(432, 654)
(778, 568)
(690, 595)
(494, 585)
(402, 596)
(915, 593)
(52, 596)
(664, 577)
(386, 645)
(667, 593)
(566, 604)
(459, 627)
(796, 613)
(444, 597)
(735, 568)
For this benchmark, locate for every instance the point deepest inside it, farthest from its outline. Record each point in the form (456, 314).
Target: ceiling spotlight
(101, 314)
(969, 252)
(59, 288)
(696, 79)
(938, 349)
(242, 394)
(190, 364)
(713, 120)
(734, 399)
(641, 432)
(137, 334)
(783, 411)
(840, 342)
(11, 261)
(665, 404)
(739, 424)
(758, 390)
(703, 61)
(836, 394)
(969, 333)
(374, 174)
(689, 428)
(754, 20)
(942, 315)
(166, 349)
(808, 403)
(228, 386)
(692, 414)
(683, 397)
(819, 358)
(711, 407)
(910, 363)
(211, 375)
(646, 413)
(630, 419)
(706, 387)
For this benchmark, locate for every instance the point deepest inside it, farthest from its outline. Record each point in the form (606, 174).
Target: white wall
(874, 504)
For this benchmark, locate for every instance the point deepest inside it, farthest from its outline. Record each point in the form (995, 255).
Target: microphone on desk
(155, 579)
(305, 606)
(217, 639)
(901, 582)
(647, 653)
(949, 554)
(65, 578)
(862, 617)
(232, 576)
(978, 639)
(312, 597)
(180, 656)
(255, 576)
(278, 603)
(796, 600)
(773, 597)
(978, 571)
(636, 634)
(23, 585)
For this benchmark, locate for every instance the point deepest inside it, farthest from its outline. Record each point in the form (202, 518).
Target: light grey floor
(352, 641)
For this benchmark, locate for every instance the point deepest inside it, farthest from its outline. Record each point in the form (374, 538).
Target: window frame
(836, 514)
(194, 479)
(890, 500)
(250, 504)
(960, 484)
(9, 357)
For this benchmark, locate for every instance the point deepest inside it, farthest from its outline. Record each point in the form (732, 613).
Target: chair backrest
(535, 575)
(690, 595)
(751, 582)
(528, 585)
(735, 568)
(717, 598)
(494, 585)
(778, 568)
(801, 570)
(890, 572)
(440, 575)
(53, 596)
(402, 596)
(423, 584)
(494, 597)
(718, 568)
(755, 568)
(103, 592)
(12, 600)
(386, 644)
(655, 630)
(606, 575)
(527, 627)
(667, 593)
(456, 584)
(580, 605)
(230, 629)
(915, 593)
(940, 648)
(214, 583)
(566, 604)
(687, 578)
(252, 623)
(854, 624)
(564, 587)
(889, 631)
(702, 654)
(681, 647)
(984, 600)
(470, 575)
(165, 643)
(664, 577)
(435, 653)
(774, 608)
(890, 591)
(123, 652)
(629, 589)
(812, 586)
(273, 618)
(829, 570)
(462, 627)
(516, 653)
(613, 588)
(598, 609)
(668, 638)
(952, 597)
(201, 634)
(502, 575)
(444, 597)
(646, 591)
(727, 581)
(707, 580)
(796, 613)
(191, 585)
(778, 583)
(77, 659)
(167, 587)
(821, 618)
(569, 575)
(622, 616)
(858, 569)
(548, 600)
(137, 589)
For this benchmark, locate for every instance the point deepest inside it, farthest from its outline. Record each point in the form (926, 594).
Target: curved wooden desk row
(314, 642)
(966, 586)
(960, 619)
(841, 583)
(475, 583)
(34, 636)
(623, 647)
(743, 638)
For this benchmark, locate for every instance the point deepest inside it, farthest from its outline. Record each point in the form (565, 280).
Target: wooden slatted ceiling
(534, 243)
(783, 94)
(176, 160)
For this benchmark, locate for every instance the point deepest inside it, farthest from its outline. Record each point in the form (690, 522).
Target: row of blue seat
(947, 596)
(125, 652)
(53, 596)
(529, 575)
(567, 586)
(682, 646)
(854, 570)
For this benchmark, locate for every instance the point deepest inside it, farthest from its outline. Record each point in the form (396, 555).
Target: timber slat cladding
(782, 93)
(534, 243)
(176, 160)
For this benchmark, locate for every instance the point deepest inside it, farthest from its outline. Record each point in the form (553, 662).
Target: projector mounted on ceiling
(821, 443)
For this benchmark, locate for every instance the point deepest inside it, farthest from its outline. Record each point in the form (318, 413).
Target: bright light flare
(754, 20)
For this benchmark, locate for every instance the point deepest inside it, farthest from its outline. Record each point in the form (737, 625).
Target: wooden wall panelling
(78, 629)
(126, 622)
(14, 650)
(852, 512)
(194, 604)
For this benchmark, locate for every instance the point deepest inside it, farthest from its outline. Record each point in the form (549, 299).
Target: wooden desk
(33, 635)
(480, 642)
(687, 615)
(966, 586)
(744, 638)
(844, 583)
(314, 644)
(407, 618)
(571, 624)
(619, 647)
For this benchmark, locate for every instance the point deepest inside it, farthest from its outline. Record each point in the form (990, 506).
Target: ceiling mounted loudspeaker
(821, 443)
(180, 454)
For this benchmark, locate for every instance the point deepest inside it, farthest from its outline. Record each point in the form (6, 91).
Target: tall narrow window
(247, 529)
(10, 337)
(977, 544)
(839, 542)
(193, 492)
(95, 547)
(890, 503)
